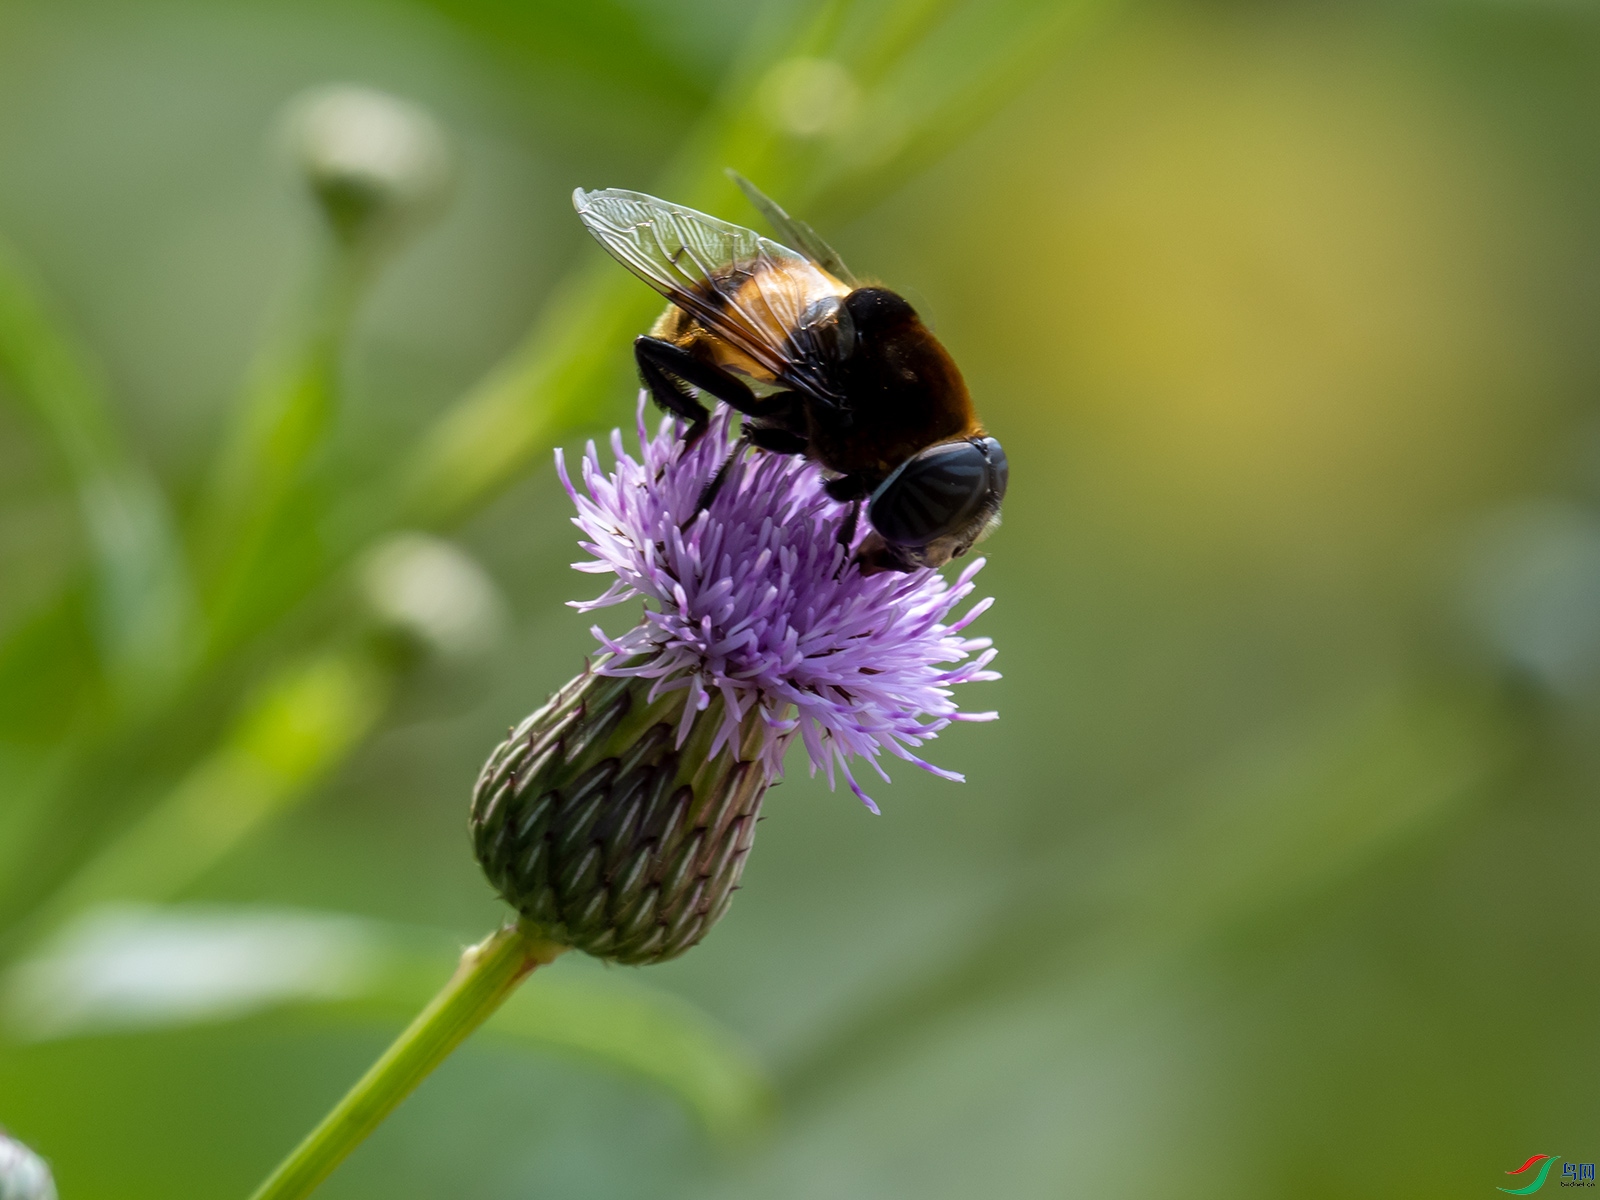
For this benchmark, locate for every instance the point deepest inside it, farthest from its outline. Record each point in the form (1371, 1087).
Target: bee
(819, 364)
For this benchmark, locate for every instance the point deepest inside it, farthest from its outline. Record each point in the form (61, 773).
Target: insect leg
(709, 492)
(665, 386)
(782, 409)
(676, 361)
(666, 369)
(778, 423)
(779, 441)
(847, 528)
(848, 487)
(847, 534)
(877, 556)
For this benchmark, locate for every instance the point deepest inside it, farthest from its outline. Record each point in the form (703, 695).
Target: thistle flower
(617, 818)
(23, 1174)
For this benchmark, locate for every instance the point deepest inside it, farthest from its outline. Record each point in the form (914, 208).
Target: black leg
(779, 441)
(847, 527)
(675, 367)
(664, 388)
(666, 369)
(847, 534)
(709, 492)
(876, 556)
(848, 487)
(678, 362)
(781, 410)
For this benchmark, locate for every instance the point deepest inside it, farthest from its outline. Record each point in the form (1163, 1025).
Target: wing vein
(706, 267)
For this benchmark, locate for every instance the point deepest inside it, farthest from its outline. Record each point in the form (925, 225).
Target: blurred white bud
(807, 97)
(23, 1175)
(436, 592)
(372, 160)
(1534, 591)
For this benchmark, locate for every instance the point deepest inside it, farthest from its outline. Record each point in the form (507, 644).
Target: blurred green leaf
(379, 169)
(49, 664)
(601, 44)
(144, 610)
(260, 525)
(128, 968)
(289, 735)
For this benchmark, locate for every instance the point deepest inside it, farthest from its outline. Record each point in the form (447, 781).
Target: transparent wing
(753, 292)
(796, 233)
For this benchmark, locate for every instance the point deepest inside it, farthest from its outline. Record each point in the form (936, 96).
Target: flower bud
(374, 162)
(1533, 593)
(23, 1175)
(596, 824)
(433, 592)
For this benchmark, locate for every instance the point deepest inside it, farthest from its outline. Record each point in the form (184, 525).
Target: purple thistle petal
(747, 601)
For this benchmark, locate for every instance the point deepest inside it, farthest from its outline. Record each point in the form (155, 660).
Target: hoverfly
(848, 374)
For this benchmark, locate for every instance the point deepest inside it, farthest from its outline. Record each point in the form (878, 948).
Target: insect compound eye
(939, 491)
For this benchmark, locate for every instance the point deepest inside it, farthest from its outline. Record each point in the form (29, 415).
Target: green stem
(488, 974)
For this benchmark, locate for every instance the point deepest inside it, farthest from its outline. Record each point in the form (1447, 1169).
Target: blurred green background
(1276, 877)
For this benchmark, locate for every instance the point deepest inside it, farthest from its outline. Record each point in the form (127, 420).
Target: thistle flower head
(618, 817)
(755, 600)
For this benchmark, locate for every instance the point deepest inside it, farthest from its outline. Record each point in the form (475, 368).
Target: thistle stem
(488, 974)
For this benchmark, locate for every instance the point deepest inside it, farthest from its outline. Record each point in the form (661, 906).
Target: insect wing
(796, 233)
(707, 267)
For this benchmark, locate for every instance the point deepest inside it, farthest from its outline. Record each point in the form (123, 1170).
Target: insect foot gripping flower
(618, 817)
(23, 1175)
